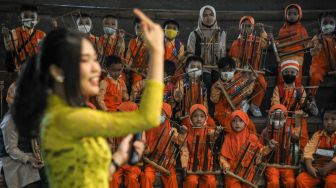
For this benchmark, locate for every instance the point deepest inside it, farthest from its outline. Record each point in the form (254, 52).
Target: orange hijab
(249, 18)
(278, 106)
(234, 141)
(201, 107)
(299, 10)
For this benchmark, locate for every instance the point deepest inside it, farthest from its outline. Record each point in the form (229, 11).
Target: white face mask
(194, 72)
(278, 124)
(109, 30)
(28, 22)
(328, 28)
(162, 119)
(84, 28)
(227, 75)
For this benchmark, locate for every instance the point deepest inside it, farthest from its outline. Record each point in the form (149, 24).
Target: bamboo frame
(160, 168)
(282, 166)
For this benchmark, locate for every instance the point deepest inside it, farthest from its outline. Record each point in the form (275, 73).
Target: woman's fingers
(145, 19)
(125, 143)
(139, 147)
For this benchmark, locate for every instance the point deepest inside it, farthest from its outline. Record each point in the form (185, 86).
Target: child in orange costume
(274, 133)
(174, 48)
(234, 143)
(229, 81)
(137, 55)
(321, 147)
(169, 71)
(324, 52)
(85, 25)
(113, 90)
(112, 42)
(23, 42)
(198, 117)
(292, 95)
(191, 89)
(152, 136)
(131, 173)
(246, 24)
(293, 16)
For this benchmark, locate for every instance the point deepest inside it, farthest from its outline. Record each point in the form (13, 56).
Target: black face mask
(289, 78)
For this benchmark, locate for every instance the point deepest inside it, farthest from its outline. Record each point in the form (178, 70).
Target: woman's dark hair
(61, 48)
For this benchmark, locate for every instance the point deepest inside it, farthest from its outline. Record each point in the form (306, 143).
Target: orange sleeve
(101, 95)
(121, 47)
(304, 32)
(136, 90)
(124, 91)
(184, 155)
(275, 97)
(235, 49)
(129, 52)
(264, 40)
(311, 146)
(318, 67)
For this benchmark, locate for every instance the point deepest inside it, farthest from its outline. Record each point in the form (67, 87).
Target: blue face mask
(109, 30)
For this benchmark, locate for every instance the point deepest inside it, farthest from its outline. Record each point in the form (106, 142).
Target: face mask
(109, 30)
(289, 78)
(227, 75)
(329, 28)
(162, 119)
(170, 33)
(278, 124)
(84, 28)
(29, 23)
(194, 72)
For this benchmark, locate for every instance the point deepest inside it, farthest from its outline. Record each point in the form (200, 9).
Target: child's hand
(152, 32)
(183, 129)
(272, 144)
(317, 47)
(312, 171)
(323, 171)
(224, 164)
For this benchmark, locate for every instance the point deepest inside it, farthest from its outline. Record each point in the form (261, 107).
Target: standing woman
(67, 70)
